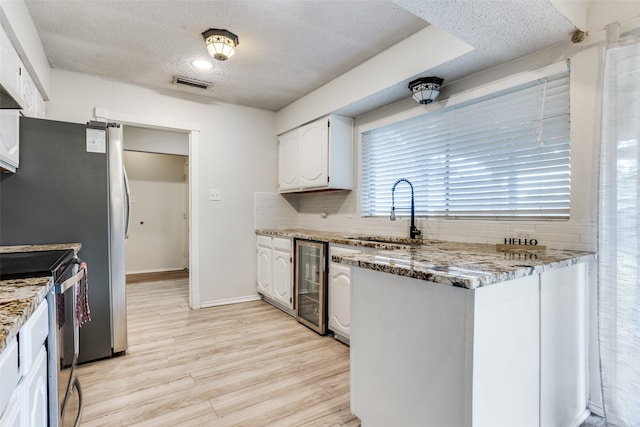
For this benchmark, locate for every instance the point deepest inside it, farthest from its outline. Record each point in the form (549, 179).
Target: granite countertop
(351, 239)
(465, 265)
(20, 297)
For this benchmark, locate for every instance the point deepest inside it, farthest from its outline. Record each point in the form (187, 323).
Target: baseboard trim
(596, 408)
(279, 306)
(581, 418)
(237, 300)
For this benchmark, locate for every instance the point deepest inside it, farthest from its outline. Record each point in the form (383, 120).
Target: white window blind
(506, 155)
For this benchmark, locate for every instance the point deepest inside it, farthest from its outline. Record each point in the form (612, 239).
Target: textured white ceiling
(287, 48)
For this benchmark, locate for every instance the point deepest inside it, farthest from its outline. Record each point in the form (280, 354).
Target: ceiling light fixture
(202, 64)
(220, 43)
(425, 90)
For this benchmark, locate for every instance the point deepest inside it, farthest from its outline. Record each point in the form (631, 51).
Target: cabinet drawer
(8, 373)
(282, 244)
(32, 335)
(264, 241)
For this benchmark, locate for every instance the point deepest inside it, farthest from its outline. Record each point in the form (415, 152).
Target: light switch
(214, 195)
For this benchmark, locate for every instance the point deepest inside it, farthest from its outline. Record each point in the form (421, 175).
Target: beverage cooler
(311, 280)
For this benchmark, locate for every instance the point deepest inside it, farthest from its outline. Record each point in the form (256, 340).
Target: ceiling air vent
(186, 81)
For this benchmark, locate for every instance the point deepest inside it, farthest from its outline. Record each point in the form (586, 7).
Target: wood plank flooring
(237, 365)
(157, 276)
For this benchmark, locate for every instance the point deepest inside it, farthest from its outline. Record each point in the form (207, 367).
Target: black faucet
(413, 230)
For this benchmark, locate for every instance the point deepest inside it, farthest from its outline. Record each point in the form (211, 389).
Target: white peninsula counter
(451, 334)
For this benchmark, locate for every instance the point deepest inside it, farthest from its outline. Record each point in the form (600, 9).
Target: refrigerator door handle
(127, 192)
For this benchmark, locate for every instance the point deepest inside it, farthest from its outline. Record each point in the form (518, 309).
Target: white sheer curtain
(619, 237)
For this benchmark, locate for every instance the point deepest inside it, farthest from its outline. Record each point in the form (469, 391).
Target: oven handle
(64, 286)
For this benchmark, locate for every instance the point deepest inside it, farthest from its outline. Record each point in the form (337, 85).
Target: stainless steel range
(65, 406)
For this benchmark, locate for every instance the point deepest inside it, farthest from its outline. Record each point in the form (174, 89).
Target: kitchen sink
(387, 240)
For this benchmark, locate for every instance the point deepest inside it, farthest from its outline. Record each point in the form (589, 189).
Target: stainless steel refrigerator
(71, 187)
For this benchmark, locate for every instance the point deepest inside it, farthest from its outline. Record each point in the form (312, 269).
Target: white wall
(236, 153)
(157, 232)
(155, 141)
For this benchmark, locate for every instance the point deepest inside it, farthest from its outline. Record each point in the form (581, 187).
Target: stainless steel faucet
(413, 230)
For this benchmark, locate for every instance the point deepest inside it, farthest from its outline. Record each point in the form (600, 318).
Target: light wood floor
(238, 365)
(158, 276)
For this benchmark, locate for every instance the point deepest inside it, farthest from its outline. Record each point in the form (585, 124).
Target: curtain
(619, 236)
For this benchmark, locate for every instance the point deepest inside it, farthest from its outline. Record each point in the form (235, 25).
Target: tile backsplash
(338, 211)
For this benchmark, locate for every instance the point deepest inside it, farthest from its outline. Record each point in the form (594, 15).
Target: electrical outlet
(214, 195)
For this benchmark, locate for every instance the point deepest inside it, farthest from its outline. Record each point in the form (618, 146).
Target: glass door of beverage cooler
(311, 285)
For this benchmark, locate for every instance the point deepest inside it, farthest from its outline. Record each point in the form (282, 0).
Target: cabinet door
(264, 271)
(314, 154)
(28, 95)
(32, 392)
(339, 299)
(40, 106)
(11, 415)
(288, 161)
(282, 283)
(10, 67)
(9, 138)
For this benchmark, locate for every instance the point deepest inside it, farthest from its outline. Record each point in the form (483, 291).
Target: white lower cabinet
(340, 294)
(275, 270)
(282, 274)
(10, 375)
(23, 366)
(339, 288)
(11, 415)
(264, 266)
(32, 393)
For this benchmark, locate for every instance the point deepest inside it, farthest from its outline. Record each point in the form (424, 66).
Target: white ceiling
(287, 48)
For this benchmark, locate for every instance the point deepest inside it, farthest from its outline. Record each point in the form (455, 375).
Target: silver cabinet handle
(127, 191)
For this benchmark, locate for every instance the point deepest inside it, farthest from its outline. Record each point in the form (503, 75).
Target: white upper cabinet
(18, 95)
(9, 140)
(10, 72)
(313, 140)
(28, 96)
(317, 156)
(288, 161)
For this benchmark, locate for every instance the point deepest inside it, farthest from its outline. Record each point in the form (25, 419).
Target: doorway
(157, 247)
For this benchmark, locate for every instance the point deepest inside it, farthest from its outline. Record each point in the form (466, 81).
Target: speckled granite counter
(351, 239)
(466, 265)
(20, 297)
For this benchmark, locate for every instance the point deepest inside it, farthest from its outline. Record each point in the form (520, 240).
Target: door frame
(193, 129)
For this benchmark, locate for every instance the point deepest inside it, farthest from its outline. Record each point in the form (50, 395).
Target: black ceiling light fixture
(221, 44)
(425, 90)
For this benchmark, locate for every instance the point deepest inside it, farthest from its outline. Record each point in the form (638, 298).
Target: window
(506, 155)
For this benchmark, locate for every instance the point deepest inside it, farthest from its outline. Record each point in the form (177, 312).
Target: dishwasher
(311, 284)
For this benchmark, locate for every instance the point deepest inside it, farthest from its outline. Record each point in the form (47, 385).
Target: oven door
(69, 396)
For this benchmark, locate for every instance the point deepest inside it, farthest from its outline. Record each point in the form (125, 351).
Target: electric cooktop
(20, 265)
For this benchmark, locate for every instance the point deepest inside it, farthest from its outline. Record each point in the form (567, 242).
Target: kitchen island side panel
(506, 355)
(410, 351)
